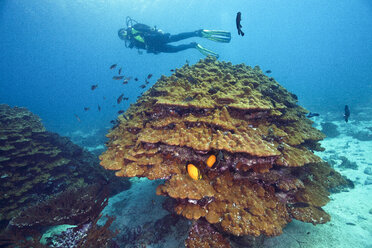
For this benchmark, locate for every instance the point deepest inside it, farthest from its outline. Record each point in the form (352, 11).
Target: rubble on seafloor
(265, 172)
(36, 164)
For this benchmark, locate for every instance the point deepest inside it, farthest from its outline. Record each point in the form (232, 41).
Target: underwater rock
(265, 172)
(347, 164)
(36, 164)
(330, 129)
(368, 171)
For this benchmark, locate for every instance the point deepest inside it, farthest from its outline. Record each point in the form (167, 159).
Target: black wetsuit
(155, 41)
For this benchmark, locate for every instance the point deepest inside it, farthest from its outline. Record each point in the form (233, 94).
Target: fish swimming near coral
(310, 115)
(120, 98)
(143, 86)
(211, 161)
(238, 25)
(113, 66)
(93, 87)
(347, 113)
(125, 81)
(194, 172)
(136, 79)
(117, 77)
(268, 71)
(149, 76)
(120, 112)
(120, 71)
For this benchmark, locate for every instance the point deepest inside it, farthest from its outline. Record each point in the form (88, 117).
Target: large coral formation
(35, 164)
(262, 140)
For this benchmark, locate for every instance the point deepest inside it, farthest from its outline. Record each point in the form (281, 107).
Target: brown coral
(35, 164)
(261, 138)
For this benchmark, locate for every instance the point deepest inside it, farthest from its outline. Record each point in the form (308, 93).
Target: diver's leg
(175, 49)
(185, 35)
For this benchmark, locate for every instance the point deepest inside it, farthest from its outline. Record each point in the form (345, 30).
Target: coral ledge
(266, 172)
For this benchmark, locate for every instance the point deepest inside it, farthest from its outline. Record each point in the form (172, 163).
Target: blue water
(51, 52)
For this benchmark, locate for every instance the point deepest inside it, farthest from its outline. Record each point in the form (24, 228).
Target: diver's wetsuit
(154, 41)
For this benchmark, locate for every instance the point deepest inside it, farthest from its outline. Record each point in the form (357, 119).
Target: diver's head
(123, 34)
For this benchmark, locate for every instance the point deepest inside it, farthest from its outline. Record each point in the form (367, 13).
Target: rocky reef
(234, 148)
(36, 164)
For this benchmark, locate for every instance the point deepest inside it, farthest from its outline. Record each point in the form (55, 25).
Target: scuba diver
(155, 41)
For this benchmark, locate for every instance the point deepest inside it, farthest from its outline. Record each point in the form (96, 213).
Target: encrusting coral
(36, 164)
(260, 137)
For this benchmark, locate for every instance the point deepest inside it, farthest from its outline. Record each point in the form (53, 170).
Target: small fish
(113, 122)
(77, 117)
(309, 115)
(99, 108)
(113, 66)
(117, 77)
(136, 79)
(104, 98)
(126, 118)
(268, 71)
(172, 70)
(146, 81)
(120, 112)
(125, 98)
(93, 87)
(86, 108)
(299, 205)
(149, 76)
(120, 71)
(120, 98)
(347, 113)
(125, 81)
(143, 86)
(238, 25)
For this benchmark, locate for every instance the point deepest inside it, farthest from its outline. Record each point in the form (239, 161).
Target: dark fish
(172, 70)
(299, 205)
(136, 79)
(120, 71)
(268, 71)
(125, 98)
(77, 117)
(99, 107)
(143, 86)
(149, 76)
(120, 112)
(86, 108)
(113, 122)
(350, 224)
(117, 77)
(146, 81)
(238, 25)
(347, 113)
(104, 98)
(309, 115)
(113, 66)
(93, 87)
(125, 117)
(120, 98)
(125, 81)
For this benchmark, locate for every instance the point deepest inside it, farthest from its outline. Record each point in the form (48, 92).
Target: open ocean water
(52, 52)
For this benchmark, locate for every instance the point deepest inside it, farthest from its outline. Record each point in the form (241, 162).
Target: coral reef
(77, 206)
(262, 141)
(35, 164)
